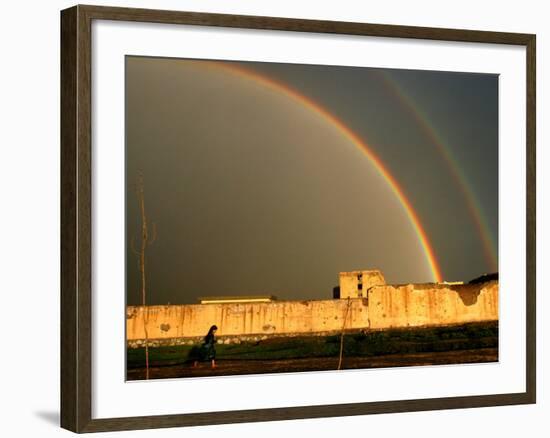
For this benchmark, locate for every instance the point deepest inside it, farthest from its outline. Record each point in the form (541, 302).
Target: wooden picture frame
(76, 218)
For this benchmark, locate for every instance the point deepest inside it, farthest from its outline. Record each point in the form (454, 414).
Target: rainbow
(351, 136)
(472, 202)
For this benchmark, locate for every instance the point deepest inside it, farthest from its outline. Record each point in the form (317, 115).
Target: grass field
(400, 344)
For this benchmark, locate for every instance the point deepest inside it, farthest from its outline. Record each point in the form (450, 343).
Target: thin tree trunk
(144, 241)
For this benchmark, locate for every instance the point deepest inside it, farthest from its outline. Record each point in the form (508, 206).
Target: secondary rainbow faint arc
(355, 139)
(460, 178)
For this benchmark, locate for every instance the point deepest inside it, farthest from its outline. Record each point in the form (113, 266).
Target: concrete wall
(422, 305)
(246, 318)
(384, 307)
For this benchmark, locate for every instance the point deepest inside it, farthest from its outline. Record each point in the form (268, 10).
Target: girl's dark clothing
(208, 351)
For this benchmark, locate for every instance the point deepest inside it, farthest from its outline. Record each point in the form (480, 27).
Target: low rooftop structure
(238, 299)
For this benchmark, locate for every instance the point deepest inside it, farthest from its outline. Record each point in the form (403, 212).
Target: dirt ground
(235, 367)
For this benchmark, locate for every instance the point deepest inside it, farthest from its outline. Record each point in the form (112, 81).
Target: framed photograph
(269, 218)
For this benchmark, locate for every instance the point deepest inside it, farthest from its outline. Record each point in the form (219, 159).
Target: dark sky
(253, 192)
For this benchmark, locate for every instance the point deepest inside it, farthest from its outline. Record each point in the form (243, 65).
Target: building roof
(237, 299)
